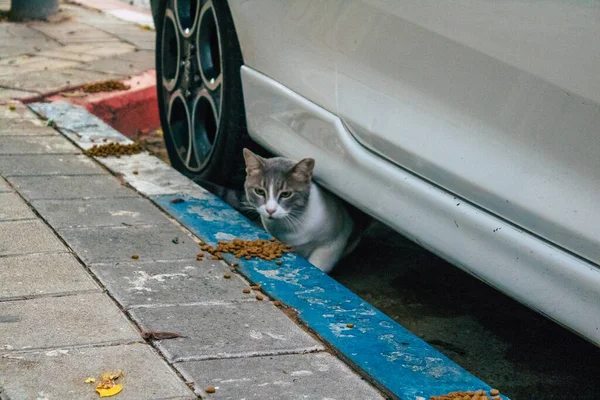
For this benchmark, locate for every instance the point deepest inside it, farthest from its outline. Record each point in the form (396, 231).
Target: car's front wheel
(198, 62)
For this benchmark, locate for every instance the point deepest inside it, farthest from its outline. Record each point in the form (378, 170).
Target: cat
(295, 210)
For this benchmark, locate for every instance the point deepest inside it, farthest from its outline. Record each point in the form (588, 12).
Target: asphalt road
(525, 355)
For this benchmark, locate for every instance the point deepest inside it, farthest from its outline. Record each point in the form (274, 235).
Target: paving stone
(36, 145)
(39, 165)
(4, 186)
(88, 52)
(100, 212)
(69, 187)
(8, 94)
(12, 48)
(43, 274)
(296, 376)
(15, 110)
(17, 31)
(23, 237)
(73, 32)
(118, 244)
(46, 81)
(172, 282)
(25, 127)
(77, 320)
(23, 64)
(60, 374)
(225, 330)
(126, 64)
(12, 208)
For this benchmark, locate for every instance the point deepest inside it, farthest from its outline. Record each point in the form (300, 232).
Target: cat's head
(277, 187)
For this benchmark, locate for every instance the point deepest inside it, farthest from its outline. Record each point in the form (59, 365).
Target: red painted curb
(131, 111)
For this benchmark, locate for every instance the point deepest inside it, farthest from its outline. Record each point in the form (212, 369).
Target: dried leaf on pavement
(159, 335)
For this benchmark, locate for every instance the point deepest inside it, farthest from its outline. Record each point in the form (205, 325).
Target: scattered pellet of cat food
(227, 276)
(135, 256)
(468, 395)
(135, 172)
(494, 392)
(246, 290)
(255, 287)
(277, 303)
(350, 325)
(496, 398)
(177, 201)
(114, 149)
(259, 297)
(200, 256)
(210, 389)
(248, 249)
(279, 262)
(12, 107)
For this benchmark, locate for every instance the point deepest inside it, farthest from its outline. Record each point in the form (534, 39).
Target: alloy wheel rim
(192, 77)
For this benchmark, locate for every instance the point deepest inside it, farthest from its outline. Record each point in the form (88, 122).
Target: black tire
(199, 89)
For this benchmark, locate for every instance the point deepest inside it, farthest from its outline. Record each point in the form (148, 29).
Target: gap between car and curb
(384, 352)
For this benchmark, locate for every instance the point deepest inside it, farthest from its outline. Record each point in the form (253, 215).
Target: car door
(496, 102)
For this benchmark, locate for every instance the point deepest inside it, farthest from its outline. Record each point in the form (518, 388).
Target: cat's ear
(254, 163)
(303, 170)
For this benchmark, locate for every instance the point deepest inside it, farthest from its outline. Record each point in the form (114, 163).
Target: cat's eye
(285, 195)
(259, 192)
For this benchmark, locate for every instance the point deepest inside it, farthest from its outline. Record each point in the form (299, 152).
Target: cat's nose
(270, 211)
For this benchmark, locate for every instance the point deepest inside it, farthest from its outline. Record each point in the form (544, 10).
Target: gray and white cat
(296, 210)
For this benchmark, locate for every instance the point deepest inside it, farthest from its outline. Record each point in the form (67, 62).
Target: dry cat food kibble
(114, 149)
(476, 395)
(210, 389)
(106, 86)
(264, 249)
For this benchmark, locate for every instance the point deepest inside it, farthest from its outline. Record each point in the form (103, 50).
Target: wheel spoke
(208, 44)
(171, 51)
(187, 12)
(180, 128)
(205, 124)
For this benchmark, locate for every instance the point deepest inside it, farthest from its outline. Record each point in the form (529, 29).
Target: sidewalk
(87, 264)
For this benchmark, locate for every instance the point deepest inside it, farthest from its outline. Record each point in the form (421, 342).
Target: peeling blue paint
(395, 358)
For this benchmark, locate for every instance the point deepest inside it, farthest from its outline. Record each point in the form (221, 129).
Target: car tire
(199, 87)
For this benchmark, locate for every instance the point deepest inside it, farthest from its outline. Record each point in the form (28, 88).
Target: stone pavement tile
(225, 330)
(46, 81)
(73, 32)
(173, 282)
(23, 64)
(127, 64)
(36, 145)
(10, 31)
(43, 274)
(23, 237)
(69, 187)
(12, 48)
(88, 52)
(99, 212)
(4, 186)
(77, 320)
(12, 208)
(8, 94)
(15, 111)
(49, 164)
(60, 374)
(118, 244)
(25, 127)
(295, 376)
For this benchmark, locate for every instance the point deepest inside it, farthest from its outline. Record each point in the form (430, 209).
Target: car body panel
(554, 282)
(498, 102)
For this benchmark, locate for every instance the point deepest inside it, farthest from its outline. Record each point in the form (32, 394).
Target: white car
(471, 127)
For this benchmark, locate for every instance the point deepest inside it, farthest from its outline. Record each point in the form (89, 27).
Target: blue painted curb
(395, 359)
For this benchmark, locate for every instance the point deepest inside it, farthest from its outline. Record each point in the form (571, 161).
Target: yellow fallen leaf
(90, 380)
(110, 391)
(12, 107)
